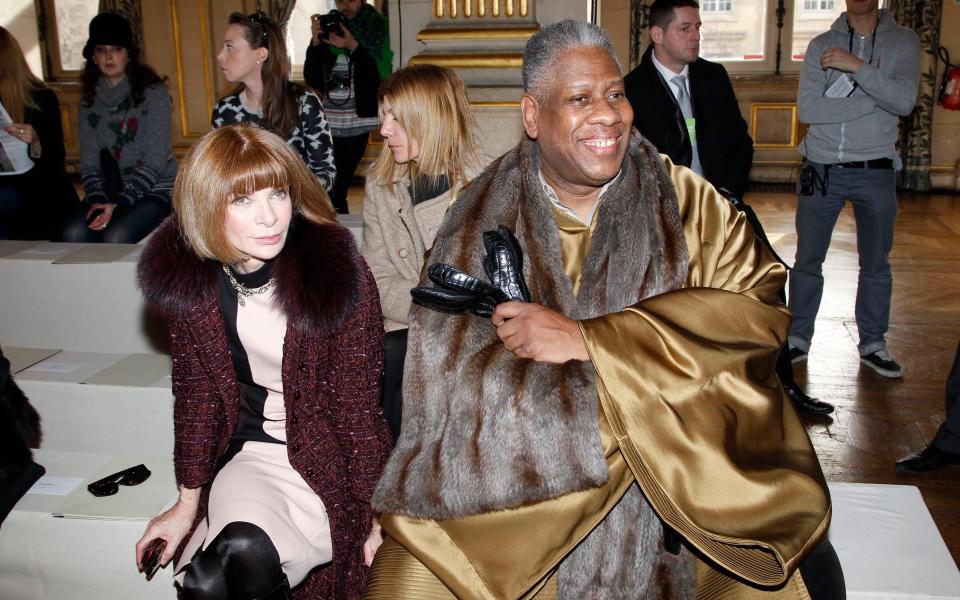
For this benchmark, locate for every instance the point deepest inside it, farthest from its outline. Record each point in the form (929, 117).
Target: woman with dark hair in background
(34, 204)
(254, 56)
(346, 67)
(277, 343)
(126, 161)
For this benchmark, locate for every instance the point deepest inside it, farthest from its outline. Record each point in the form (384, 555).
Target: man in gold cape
(556, 449)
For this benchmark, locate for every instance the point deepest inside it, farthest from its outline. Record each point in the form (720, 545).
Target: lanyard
(873, 41)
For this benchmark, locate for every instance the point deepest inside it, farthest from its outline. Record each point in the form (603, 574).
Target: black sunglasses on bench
(110, 484)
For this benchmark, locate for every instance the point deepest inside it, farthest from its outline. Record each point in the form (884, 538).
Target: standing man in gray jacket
(858, 79)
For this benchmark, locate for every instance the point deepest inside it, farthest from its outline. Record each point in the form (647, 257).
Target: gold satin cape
(690, 409)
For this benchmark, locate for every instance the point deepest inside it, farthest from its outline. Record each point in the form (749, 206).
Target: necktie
(683, 99)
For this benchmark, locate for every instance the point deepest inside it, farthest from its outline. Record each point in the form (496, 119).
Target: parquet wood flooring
(880, 420)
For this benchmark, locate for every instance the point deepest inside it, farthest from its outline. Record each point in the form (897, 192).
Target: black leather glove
(458, 292)
(504, 263)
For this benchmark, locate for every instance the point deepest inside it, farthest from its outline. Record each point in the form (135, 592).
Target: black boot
(805, 403)
(281, 592)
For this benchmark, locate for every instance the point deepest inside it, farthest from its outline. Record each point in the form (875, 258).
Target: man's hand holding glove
(527, 329)
(458, 292)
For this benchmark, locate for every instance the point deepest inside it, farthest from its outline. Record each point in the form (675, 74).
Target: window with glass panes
(743, 34)
(716, 6)
(818, 4)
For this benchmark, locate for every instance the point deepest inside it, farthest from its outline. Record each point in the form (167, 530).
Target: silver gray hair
(545, 47)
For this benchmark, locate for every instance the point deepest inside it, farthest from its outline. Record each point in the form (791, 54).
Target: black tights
(241, 563)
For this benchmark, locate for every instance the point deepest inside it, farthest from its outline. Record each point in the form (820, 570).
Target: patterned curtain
(278, 10)
(916, 130)
(131, 10)
(639, 29)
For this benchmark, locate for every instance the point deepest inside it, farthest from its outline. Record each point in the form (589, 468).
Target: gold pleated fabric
(686, 381)
(689, 406)
(714, 585)
(575, 238)
(508, 553)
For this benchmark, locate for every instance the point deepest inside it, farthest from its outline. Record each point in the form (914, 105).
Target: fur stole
(482, 429)
(20, 421)
(318, 274)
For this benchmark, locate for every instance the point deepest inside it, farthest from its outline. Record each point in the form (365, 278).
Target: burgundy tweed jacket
(337, 438)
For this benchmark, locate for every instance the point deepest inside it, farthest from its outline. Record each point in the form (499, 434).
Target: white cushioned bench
(82, 296)
(88, 553)
(888, 544)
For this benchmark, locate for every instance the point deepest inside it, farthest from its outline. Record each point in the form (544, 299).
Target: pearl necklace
(242, 290)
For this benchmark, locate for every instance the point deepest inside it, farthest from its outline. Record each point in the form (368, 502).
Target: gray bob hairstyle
(546, 46)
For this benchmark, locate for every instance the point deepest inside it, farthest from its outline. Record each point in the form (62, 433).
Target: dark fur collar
(318, 273)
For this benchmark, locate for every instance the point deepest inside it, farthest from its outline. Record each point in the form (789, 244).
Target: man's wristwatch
(729, 196)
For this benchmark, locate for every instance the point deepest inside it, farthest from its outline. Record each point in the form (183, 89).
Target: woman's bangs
(255, 170)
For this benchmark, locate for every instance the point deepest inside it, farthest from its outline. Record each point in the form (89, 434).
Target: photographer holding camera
(348, 56)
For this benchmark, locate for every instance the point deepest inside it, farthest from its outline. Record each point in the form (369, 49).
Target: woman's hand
(26, 134)
(374, 539)
(172, 526)
(23, 132)
(100, 222)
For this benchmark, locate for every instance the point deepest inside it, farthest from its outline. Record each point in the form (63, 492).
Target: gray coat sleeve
(89, 157)
(812, 106)
(155, 143)
(897, 92)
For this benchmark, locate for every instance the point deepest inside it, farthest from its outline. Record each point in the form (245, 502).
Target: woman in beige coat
(430, 152)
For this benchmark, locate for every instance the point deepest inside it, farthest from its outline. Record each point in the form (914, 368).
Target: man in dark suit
(687, 108)
(714, 133)
(944, 450)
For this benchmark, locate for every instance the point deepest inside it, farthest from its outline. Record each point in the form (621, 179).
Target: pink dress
(257, 484)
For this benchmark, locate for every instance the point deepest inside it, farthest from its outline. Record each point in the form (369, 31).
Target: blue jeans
(9, 203)
(873, 194)
(127, 226)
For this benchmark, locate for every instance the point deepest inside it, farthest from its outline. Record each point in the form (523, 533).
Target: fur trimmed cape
(485, 430)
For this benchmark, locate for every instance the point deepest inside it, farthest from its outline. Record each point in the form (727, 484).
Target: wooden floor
(879, 420)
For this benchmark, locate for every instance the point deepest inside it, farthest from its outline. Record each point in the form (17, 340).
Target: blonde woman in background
(34, 204)
(430, 152)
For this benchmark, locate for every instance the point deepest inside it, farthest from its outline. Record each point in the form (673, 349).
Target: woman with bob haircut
(126, 156)
(254, 56)
(33, 204)
(277, 343)
(429, 153)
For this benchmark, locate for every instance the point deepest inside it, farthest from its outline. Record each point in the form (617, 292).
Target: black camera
(807, 180)
(331, 22)
(336, 82)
